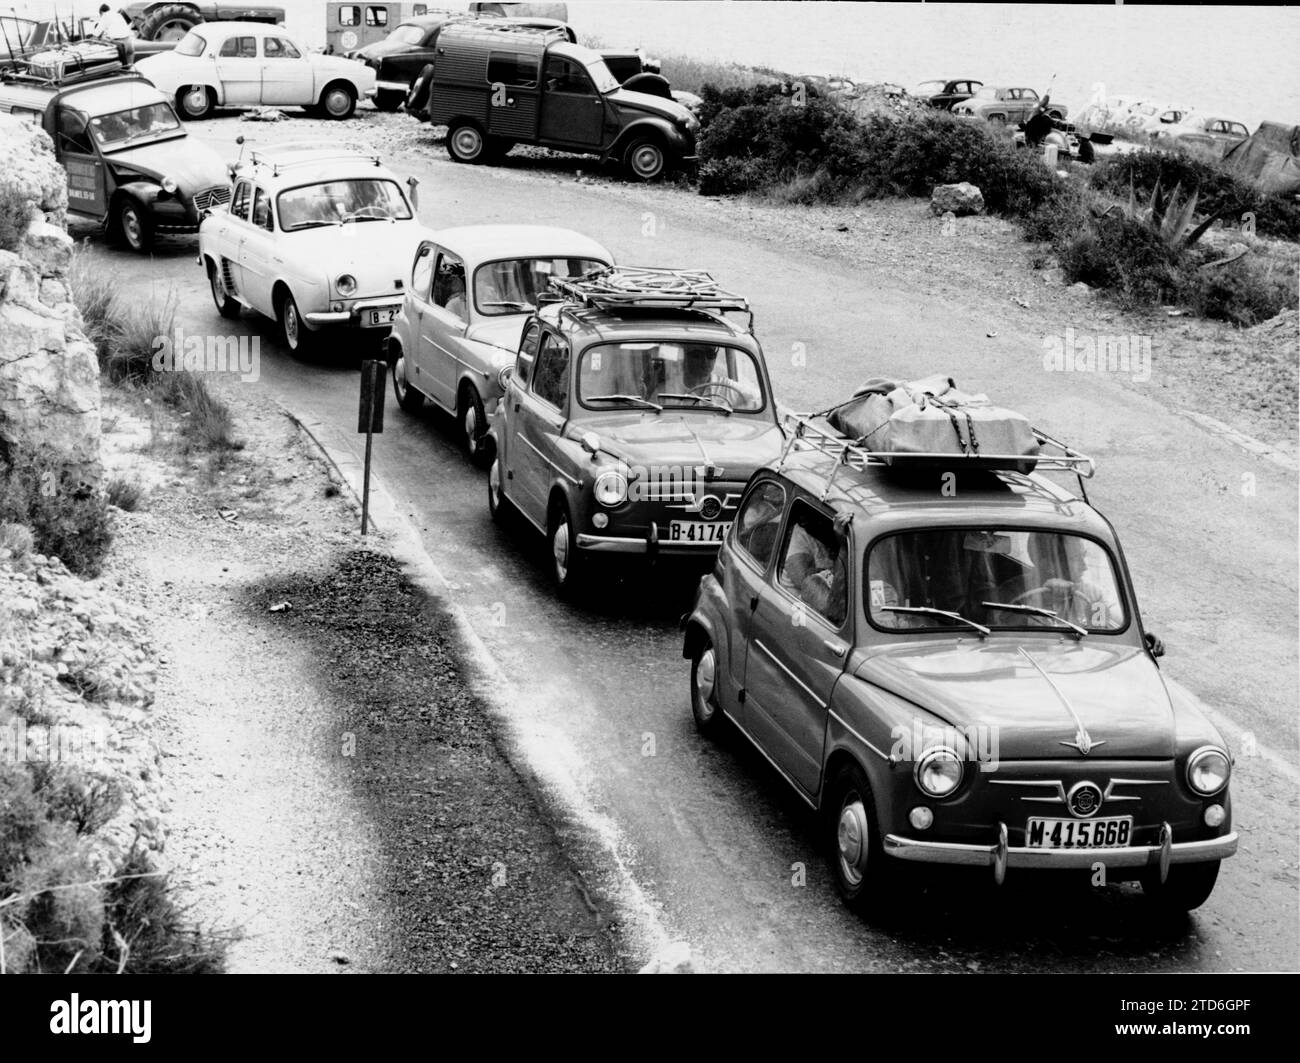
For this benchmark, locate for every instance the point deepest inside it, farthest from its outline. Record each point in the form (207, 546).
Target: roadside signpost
(370, 419)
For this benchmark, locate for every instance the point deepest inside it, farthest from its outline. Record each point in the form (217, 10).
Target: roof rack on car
(846, 453)
(75, 74)
(649, 288)
(282, 156)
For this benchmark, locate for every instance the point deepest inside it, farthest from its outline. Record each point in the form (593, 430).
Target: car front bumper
(650, 544)
(393, 86)
(1001, 856)
(351, 314)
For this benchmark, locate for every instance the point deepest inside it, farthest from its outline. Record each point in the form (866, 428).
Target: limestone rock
(961, 199)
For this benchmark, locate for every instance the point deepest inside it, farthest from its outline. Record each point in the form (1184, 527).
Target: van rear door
(513, 80)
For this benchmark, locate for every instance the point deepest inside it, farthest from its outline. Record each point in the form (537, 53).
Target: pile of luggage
(932, 421)
(55, 64)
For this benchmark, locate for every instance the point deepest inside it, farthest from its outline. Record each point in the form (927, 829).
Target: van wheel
(465, 143)
(226, 306)
(418, 97)
(134, 227)
(297, 336)
(568, 566)
(499, 506)
(473, 423)
(338, 101)
(857, 858)
(389, 100)
(645, 159)
(408, 398)
(196, 102)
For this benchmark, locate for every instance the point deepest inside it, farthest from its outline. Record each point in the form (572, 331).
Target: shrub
(724, 177)
(1222, 192)
(134, 335)
(206, 421)
(65, 518)
(95, 295)
(1124, 255)
(1245, 292)
(126, 495)
(1061, 216)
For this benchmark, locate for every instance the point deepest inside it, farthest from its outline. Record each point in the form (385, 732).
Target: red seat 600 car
(955, 677)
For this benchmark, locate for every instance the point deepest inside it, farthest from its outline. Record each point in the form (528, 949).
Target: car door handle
(753, 603)
(837, 648)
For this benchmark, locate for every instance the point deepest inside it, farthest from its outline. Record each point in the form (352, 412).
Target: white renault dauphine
(313, 238)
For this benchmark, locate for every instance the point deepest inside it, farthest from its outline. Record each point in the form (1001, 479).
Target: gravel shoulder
(337, 797)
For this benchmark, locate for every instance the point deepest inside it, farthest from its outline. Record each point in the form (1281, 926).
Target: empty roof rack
(845, 452)
(307, 153)
(650, 288)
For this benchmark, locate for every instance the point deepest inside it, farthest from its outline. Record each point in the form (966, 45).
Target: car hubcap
(399, 377)
(131, 227)
(704, 678)
(646, 161)
(291, 324)
(196, 100)
(336, 102)
(468, 143)
(494, 485)
(852, 839)
(471, 429)
(560, 550)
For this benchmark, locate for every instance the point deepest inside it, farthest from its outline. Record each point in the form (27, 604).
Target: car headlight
(1208, 770)
(169, 185)
(939, 771)
(346, 284)
(611, 488)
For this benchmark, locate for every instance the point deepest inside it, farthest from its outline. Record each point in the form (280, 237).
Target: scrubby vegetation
(64, 517)
(1131, 225)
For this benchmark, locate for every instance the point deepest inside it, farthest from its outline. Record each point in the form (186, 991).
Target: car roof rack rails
(847, 453)
(650, 288)
(306, 152)
(73, 75)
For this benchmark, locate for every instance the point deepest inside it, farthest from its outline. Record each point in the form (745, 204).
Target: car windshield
(987, 94)
(192, 44)
(683, 375)
(407, 35)
(117, 130)
(511, 286)
(336, 202)
(998, 577)
(601, 77)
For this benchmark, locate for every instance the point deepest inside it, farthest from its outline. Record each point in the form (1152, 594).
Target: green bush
(1222, 192)
(66, 519)
(1123, 255)
(1245, 292)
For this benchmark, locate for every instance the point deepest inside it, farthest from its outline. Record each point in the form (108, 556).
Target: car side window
(239, 205)
(759, 521)
(262, 210)
(422, 271)
(562, 75)
(74, 134)
(551, 381)
(349, 15)
(527, 354)
(814, 564)
(515, 69)
(376, 16)
(449, 285)
(279, 48)
(239, 48)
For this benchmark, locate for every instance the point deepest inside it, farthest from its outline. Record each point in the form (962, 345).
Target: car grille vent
(212, 197)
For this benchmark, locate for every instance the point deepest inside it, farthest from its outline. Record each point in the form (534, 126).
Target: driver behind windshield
(704, 375)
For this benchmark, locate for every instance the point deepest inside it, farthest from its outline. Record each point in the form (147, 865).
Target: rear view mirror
(1154, 644)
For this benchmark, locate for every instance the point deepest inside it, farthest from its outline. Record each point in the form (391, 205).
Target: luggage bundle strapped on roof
(649, 287)
(79, 58)
(932, 420)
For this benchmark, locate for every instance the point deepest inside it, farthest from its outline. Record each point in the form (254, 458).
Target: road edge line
(550, 786)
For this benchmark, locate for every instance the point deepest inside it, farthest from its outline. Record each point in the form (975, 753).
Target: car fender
(674, 139)
(142, 191)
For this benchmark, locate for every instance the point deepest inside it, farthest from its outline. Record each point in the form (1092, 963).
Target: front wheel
(1187, 887)
(134, 226)
(473, 423)
(499, 506)
(408, 398)
(226, 306)
(857, 858)
(704, 691)
(297, 336)
(645, 160)
(567, 563)
(465, 143)
(338, 101)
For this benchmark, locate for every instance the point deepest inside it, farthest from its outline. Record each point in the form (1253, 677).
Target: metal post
(370, 412)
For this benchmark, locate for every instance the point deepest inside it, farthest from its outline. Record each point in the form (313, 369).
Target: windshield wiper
(635, 400)
(937, 612)
(699, 399)
(1037, 610)
(311, 225)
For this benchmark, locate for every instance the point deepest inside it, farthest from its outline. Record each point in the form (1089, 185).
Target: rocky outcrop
(959, 199)
(49, 376)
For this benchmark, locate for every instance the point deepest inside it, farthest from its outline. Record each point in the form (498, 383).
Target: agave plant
(1171, 222)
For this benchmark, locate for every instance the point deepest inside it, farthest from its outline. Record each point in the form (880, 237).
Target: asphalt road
(728, 856)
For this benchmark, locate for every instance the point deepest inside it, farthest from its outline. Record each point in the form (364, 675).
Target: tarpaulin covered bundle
(1269, 158)
(928, 421)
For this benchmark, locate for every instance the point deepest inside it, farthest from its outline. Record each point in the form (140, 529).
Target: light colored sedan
(1006, 106)
(1207, 135)
(248, 64)
(470, 291)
